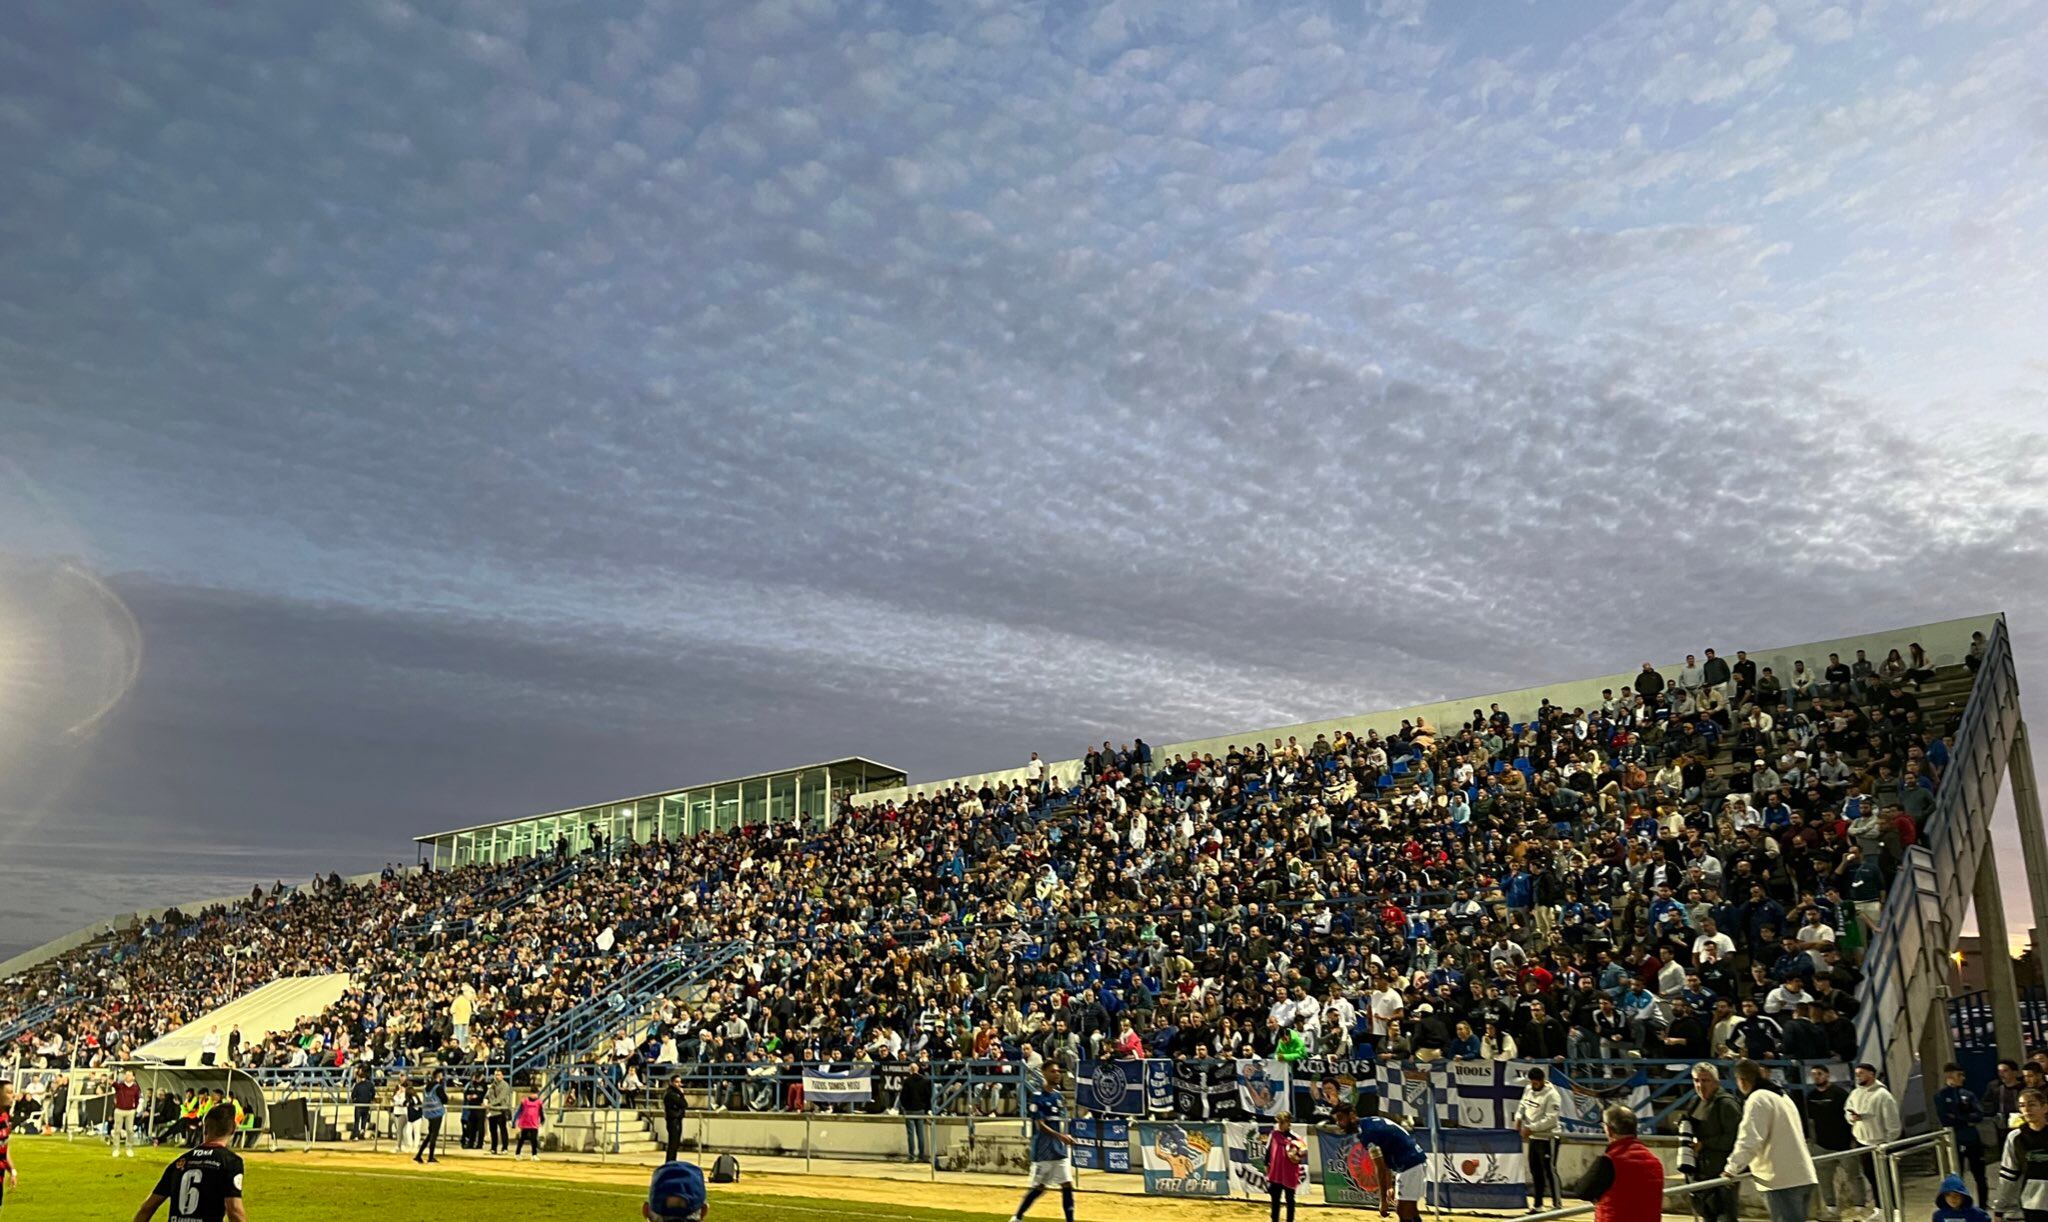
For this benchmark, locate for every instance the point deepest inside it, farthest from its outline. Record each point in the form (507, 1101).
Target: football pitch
(72, 1180)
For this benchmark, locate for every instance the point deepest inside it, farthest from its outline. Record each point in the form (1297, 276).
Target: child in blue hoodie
(1953, 1203)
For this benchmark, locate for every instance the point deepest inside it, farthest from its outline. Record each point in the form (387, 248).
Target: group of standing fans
(488, 1106)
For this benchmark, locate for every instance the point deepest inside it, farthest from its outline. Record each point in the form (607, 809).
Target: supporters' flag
(838, 1085)
(1102, 1144)
(1411, 1091)
(1112, 1088)
(1586, 1096)
(1476, 1169)
(1246, 1145)
(1159, 1087)
(892, 1074)
(1351, 1171)
(1582, 1105)
(1482, 1095)
(1261, 1086)
(1204, 1090)
(1320, 1083)
(1183, 1160)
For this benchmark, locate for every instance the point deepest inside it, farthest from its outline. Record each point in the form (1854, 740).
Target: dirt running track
(996, 1201)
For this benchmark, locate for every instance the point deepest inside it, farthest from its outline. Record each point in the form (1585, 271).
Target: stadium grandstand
(1765, 853)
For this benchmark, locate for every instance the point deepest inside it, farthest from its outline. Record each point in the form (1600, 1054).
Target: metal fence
(1890, 1185)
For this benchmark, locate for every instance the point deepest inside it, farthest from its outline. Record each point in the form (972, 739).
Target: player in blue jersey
(1403, 1167)
(1051, 1158)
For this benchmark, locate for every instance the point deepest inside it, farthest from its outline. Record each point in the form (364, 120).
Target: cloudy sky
(415, 414)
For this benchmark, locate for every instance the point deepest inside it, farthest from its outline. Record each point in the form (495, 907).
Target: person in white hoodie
(1771, 1146)
(1873, 1116)
(2022, 1190)
(1536, 1118)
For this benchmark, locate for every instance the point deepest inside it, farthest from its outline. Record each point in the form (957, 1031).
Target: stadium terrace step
(607, 1130)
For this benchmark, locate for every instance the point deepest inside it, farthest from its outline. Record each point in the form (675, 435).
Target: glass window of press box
(809, 795)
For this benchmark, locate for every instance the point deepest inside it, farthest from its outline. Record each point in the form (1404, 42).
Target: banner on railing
(891, 1075)
(838, 1085)
(1476, 1169)
(1464, 1094)
(1408, 1092)
(1351, 1171)
(1482, 1094)
(1113, 1088)
(1101, 1144)
(1204, 1090)
(1466, 1169)
(1586, 1096)
(1247, 1144)
(1159, 1086)
(1183, 1160)
(1261, 1086)
(1320, 1083)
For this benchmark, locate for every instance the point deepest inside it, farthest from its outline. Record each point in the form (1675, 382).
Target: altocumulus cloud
(491, 407)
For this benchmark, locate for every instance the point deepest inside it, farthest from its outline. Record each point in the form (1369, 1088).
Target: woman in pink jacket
(1285, 1155)
(528, 1123)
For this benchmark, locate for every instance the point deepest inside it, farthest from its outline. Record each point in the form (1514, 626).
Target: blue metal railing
(28, 1019)
(624, 1000)
(982, 1088)
(1907, 957)
(1973, 1023)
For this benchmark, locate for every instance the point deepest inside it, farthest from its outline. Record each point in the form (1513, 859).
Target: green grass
(69, 1181)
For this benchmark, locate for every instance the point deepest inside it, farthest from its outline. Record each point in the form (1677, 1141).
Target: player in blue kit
(1051, 1157)
(1403, 1167)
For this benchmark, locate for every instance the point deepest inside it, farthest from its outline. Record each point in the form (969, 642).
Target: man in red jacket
(127, 1099)
(1627, 1182)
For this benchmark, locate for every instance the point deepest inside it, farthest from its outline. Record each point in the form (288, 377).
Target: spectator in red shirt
(127, 1101)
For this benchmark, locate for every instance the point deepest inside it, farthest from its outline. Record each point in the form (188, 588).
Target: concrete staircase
(590, 1131)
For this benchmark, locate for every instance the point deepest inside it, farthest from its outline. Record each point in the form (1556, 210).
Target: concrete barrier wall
(1575, 1157)
(992, 1143)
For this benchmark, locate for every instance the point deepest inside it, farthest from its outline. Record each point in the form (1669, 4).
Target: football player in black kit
(204, 1184)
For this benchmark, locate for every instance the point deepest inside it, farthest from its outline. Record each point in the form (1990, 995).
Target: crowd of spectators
(1688, 868)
